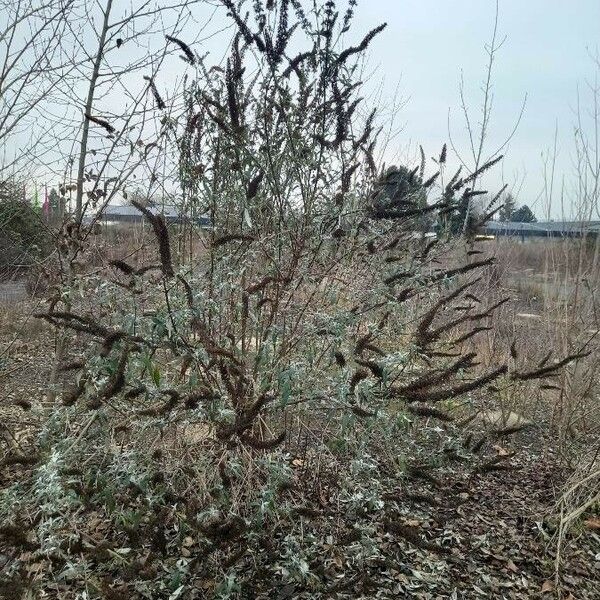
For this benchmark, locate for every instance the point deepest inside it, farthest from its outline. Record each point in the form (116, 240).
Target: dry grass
(552, 312)
(553, 285)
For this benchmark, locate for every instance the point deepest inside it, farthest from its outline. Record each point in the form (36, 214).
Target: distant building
(541, 229)
(130, 214)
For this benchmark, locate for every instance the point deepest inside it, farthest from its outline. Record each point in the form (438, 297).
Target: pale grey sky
(546, 55)
(421, 55)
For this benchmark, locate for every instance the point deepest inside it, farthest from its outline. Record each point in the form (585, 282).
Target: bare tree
(117, 79)
(30, 62)
(479, 153)
(124, 140)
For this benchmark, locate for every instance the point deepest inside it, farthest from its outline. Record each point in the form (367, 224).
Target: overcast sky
(546, 55)
(419, 59)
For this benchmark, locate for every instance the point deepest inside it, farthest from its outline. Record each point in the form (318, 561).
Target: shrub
(24, 239)
(253, 419)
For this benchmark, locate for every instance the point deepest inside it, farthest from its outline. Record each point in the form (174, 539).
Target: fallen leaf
(500, 450)
(593, 523)
(547, 586)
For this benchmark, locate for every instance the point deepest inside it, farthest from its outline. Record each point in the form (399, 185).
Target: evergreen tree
(401, 187)
(57, 204)
(507, 211)
(523, 215)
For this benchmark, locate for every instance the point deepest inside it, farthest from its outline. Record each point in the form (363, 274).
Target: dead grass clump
(579, 504)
